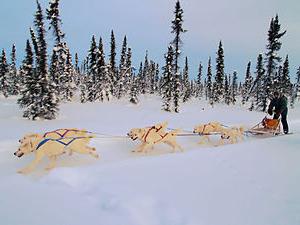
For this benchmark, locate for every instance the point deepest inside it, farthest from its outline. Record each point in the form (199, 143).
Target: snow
(254, 182)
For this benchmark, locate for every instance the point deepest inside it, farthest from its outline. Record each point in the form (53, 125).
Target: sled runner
(266, 126)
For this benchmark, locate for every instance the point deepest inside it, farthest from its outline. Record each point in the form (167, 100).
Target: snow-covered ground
(254, 182)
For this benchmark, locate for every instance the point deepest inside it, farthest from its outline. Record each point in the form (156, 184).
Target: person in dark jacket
(278, 106)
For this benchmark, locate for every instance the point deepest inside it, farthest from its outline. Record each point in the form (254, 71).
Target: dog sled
(266, 127)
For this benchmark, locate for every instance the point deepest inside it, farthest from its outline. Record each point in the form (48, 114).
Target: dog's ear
(140, 130)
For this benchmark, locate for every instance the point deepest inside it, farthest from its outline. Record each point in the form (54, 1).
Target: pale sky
(242, 26)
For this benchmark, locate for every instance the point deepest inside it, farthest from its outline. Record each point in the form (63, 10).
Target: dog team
(55, 143)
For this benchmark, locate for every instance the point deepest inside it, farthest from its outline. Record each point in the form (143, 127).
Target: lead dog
(150, 136)
(52, 148)
(207, 129)
(59, 133)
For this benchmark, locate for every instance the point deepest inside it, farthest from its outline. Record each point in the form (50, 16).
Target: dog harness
(43, 142)
(204, 127)
(57, 132)
(156, 129)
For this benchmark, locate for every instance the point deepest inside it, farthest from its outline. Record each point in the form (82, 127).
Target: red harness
(204, 127)
(156, 129)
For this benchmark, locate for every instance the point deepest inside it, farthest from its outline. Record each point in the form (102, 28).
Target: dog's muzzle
(132, 137)
(19, 155)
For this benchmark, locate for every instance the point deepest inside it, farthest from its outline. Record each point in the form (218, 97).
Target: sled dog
(52, 148)
(156, 134)
(207, 129)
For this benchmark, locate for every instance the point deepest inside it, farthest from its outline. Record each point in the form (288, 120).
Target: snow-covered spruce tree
(286, 85)
(157, 78)
(234, 87)
(101, 77)
(84, 81)
(13, 79)
(134, 91)
(112, 69)
(277, 78)
(177, 29)
(296, 89)
(199, 84)
(193, 88)
(293, 96)
(29, 89)
(186, 83)
(213, 96)
(145, 78)
(70, 76)
(66, 79)
(167, 83)
(45, 102)
(229, 87)
(220, 75)
(209, 84)
(140, 79)
(227, 96)
(92, 71)
(240, 88)
(129, 78)
(77, 72)
(53, 16)
(247, 84)
(272, 58)
(107, 79)
(257, 88)
(204, 88)
(4, 71)
(77, 64)
(298, 84)
(53, 72)
(34, 41)
(122, 70)
(60, 53)
(177, 90)
(152, 72)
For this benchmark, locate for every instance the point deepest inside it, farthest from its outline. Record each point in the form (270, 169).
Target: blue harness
(59, 141)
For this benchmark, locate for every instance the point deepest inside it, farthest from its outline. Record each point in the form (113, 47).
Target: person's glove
(270, 111)
(277, 113)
